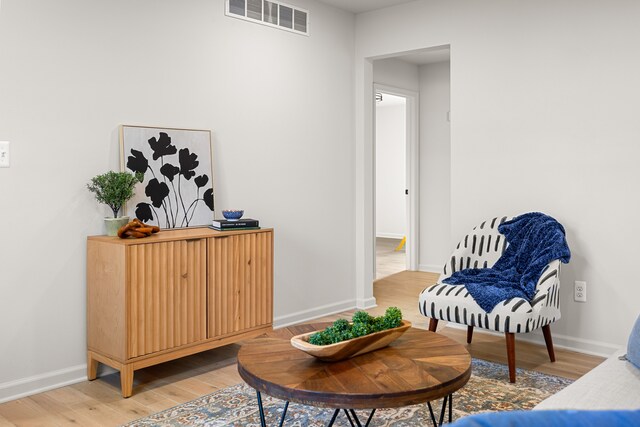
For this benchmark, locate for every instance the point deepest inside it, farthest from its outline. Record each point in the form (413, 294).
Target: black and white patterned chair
(481, 248)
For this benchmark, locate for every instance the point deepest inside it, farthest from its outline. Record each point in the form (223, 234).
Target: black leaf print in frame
(169, 171)
(137, 162)
(201, 180)
(157, 191)
(162, 146)
(143, 212)
(208, 198)
(162, 156)
(188, 162)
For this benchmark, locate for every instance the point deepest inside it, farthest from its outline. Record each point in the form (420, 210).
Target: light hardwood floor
(98, 403)
(388, 260)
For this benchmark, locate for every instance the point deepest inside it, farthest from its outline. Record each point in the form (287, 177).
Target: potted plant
(114, 189)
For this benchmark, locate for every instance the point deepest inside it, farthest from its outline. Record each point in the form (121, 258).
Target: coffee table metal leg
(355, 422)
(284, 414)
(333, 419)
(263, 421)
(443, 410)
(370, 417)
(447, 399)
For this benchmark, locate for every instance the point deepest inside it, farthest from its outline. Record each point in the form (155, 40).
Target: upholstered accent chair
(481, 248)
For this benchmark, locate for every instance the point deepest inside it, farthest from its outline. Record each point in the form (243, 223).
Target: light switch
(4, 154)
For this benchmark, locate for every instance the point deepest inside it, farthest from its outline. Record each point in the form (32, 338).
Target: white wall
(397, 73)
(71, 71)
(435, 167)
(544, 102)
(391, 170)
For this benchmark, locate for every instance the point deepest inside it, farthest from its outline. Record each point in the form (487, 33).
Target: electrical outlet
(580, 291)
(4, 154)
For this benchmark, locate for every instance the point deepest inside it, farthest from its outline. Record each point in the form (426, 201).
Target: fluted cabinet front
(240, 288)
(176, 293)
(167, 295)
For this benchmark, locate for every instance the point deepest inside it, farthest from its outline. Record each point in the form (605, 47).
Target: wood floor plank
(5, 423)
(154, 400)
(388, 259)
(26, 412)
(99, 403)
(58, 413)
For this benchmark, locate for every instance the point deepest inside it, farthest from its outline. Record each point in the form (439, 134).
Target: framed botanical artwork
(177, 189)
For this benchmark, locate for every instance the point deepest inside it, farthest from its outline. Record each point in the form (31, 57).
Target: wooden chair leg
(546, 330)
(511, 355)
(433, 324)
(469, 334)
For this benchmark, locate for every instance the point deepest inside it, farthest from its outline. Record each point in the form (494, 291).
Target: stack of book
(239, 224)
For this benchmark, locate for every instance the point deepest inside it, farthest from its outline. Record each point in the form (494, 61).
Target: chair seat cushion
(453, 303)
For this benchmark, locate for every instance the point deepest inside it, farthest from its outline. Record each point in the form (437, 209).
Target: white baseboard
(313, 313)
(23, 387)
(579, 345)
(325, 310)
(390, 235)
(363, 304)
(430, 268)
(17, 389)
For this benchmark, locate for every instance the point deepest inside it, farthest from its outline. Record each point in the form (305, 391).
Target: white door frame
(412, 171)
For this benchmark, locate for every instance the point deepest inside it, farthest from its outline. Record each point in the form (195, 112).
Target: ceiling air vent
(271, 13)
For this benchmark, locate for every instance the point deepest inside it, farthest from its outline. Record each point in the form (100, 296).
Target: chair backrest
(481, 248)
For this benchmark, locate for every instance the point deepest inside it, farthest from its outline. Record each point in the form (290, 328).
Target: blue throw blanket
(535, 240)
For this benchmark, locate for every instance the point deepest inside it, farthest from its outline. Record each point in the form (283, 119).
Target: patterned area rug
(487, 390)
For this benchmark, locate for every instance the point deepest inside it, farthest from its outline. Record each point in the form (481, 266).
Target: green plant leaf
(114, 188)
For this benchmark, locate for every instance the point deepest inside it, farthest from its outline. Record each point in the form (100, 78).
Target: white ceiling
(358, 6)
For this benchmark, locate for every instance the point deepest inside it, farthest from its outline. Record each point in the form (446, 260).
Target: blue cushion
(561, 418)
(633, 348)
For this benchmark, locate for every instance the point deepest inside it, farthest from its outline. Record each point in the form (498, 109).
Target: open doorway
(396, 179)
(420, 79)
(425, 73)
(390, 183)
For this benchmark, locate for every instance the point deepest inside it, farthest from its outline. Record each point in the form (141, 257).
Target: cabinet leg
(92, 367)
(126, 380)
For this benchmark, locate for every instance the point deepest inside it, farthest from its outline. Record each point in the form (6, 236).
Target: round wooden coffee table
(421, 366)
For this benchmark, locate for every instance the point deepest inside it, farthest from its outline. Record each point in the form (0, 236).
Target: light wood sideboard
(173, 294)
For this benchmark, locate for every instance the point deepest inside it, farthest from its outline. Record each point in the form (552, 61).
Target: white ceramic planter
(113, 224)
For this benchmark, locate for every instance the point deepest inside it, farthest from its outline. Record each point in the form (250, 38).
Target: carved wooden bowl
(349, 348)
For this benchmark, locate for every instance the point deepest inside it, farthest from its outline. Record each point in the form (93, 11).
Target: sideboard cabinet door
(240, 292)
(167, 295)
